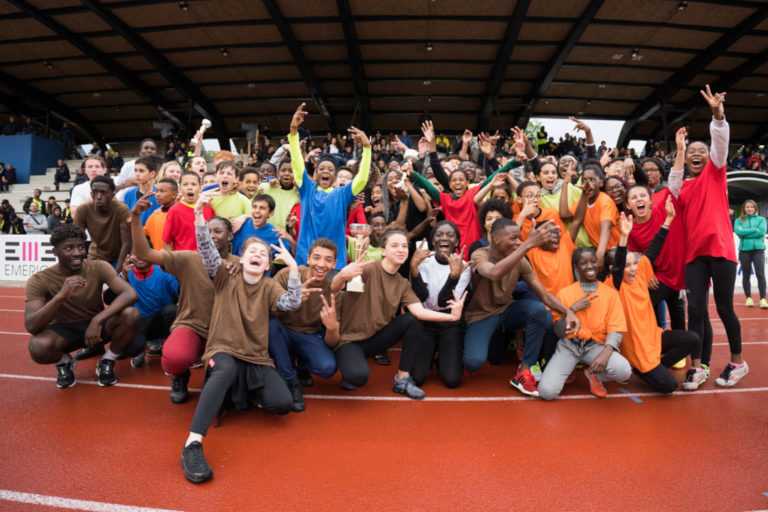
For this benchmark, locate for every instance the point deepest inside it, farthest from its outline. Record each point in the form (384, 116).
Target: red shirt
(463, 213)
(356, 216)
(179, 228)
(670, 264)
(706, 217)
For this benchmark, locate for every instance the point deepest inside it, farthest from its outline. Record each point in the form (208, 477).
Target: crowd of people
(329, 253)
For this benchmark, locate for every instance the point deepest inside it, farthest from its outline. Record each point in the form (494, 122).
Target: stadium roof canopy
(111, 67)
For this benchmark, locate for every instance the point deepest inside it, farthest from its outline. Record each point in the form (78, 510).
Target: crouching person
(65, 311)
(596, 343)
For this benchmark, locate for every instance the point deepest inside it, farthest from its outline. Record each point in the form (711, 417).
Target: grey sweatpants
(567, 355)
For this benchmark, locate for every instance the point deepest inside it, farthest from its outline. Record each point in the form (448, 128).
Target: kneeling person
(65, 311)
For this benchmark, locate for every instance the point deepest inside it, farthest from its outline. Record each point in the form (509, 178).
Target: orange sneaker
(595, 386)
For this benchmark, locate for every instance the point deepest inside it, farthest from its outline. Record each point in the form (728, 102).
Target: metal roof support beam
(119, 72)
(356, 63)
(558, 59)
(177, 79)
(24, 90)
(682, 77)
(301, 62)
(760, 135)
(499, 68)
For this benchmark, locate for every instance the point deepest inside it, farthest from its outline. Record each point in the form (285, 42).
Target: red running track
(479, 447)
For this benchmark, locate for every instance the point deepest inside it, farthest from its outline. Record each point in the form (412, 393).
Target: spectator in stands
(739, 161)
(62, 173)
(49, 205)
(80, 178)
(28, 128)
(405, 139)
(35, 222)
(34, 199)
(10, 174)
(96, 149)
(67, 212)
(754, 163)
(10, 213)
(117, 163)
(67, 139)
(11, 127)
(3, 181)
(56, 219)
(5, 223)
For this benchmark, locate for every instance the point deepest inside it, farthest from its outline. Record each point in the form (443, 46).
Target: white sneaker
(694, 378)
(731, 375)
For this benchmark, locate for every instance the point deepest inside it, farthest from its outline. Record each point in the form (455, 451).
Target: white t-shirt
(80, 194)
(127, 171)
(435, 275)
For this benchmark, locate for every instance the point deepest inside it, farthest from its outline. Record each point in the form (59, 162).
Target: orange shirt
(603, 316)
(554, 269)
(545, 214)
(154, 228)
(641, 344)
(602, 209)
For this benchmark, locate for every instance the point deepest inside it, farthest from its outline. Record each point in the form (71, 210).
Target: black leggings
(675, 304)
(447, 339)
(275, 396)
(723, 275)
(675, 345)
(748, 259)
(351, 357)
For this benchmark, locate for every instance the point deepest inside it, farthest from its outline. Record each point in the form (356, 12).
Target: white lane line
(394, 398)
(59, 502)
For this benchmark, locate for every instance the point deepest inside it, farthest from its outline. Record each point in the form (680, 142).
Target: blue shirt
(323, 214)
(267, 232)
(155, 292)
(132, 197)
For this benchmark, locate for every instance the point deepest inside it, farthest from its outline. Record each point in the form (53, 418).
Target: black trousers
(447, 340)
(756, 259)
(675, 345)
(351, 357)
(275, 396)
(722, 272)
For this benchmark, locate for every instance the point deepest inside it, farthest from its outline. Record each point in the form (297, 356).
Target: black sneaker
(155, 348)
(305, 378)
(138, 361)
(382, 359)
(106, 372)
(179, 392)
(297, 395)
(65, 374)
(196, 468)
(89, 352)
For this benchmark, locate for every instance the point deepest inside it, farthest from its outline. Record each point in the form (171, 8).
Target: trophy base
(355, 286)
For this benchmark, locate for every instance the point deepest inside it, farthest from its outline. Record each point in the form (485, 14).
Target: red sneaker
(595, 386)
(525, 382)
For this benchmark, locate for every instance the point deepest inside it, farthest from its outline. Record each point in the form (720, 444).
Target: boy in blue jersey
(158, 294)
(323, 208)
(145, 169)
(262, 209)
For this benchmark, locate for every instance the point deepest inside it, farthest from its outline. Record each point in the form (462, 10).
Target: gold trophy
(360, 232)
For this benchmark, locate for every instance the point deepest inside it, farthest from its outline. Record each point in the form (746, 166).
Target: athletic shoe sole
(103, 384)
(730, 383)
(517, 385)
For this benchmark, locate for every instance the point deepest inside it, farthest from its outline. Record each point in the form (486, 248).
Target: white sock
(64, 358)
(109, 354)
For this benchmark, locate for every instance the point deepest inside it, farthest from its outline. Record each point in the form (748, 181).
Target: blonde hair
(166, 165)
(743, 216)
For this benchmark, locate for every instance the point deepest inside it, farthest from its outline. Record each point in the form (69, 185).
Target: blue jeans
(531, 314)
(314, 355)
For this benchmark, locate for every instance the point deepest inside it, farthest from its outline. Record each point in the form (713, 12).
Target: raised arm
(297, 158)
(654, 249)
(718, 128)
(466, 137)
(675, 179)
(361, 178)
(536, 238)
(426, 185)
(205, 247)
(578, 217)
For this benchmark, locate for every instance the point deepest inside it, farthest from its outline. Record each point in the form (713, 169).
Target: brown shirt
(492, 297)
(85, 303)
(104, 229)
(365, 314)
(195, 289)
(240, 319)
(306, 319)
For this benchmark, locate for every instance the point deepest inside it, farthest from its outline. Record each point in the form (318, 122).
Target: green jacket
(751, 233)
